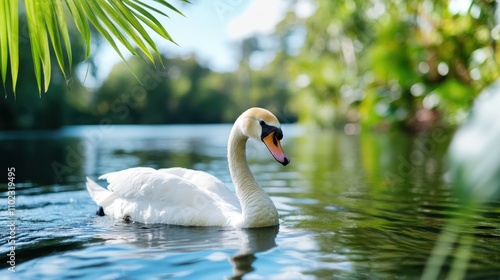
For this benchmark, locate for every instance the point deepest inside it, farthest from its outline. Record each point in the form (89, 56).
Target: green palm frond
(118, 21)
(9, 39)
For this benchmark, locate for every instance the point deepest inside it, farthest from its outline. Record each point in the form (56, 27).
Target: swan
(186, 197)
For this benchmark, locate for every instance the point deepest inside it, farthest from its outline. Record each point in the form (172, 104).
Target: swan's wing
(206, 183)
(148, 184)
(154, 196)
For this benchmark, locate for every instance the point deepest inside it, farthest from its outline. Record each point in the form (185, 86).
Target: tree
(410, 64)
(120, 21)
(181, 92)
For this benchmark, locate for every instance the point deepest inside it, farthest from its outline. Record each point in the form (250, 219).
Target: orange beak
(274, 146)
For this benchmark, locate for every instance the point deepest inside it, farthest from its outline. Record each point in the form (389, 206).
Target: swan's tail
(100, 195)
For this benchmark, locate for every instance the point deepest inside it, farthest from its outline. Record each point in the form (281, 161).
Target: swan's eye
(279, 134)
(262, 122)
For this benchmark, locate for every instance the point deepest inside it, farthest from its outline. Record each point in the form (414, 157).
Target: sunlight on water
(351, 207)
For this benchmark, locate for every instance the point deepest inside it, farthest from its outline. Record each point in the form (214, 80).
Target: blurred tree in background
(183, 92)
(410, 64)
(178, 93)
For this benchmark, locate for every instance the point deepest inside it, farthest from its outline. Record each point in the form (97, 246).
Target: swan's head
(262, 125)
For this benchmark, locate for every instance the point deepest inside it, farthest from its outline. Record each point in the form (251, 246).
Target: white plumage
(173, 196)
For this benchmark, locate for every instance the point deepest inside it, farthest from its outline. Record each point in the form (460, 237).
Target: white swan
(187, 197)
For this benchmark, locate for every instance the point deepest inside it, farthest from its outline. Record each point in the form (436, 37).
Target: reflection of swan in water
(252, 241)
(167, 239)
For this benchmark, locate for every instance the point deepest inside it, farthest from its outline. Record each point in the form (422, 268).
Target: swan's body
(187, 197)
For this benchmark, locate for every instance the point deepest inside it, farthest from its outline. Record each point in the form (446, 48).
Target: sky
(210, 29)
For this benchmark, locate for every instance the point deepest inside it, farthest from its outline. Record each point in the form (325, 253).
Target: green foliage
(393, 63)
(117, 21)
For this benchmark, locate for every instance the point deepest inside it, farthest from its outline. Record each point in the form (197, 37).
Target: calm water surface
(369, 206)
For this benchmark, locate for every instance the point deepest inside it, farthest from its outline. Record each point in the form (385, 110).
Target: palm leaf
(13, 39)
(61, 20)
(167, 5)
(148, 18)
(9, 33)
(148, 7)
(81, 23)
(118, 21)
(105, 26)
(125, 11)
(4, 48)
(39, 42)
(93, 19)
(52, 28)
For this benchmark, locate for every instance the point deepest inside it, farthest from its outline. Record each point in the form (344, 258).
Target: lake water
(368, 206)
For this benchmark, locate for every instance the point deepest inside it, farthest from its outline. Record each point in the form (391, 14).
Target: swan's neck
(258, 210)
